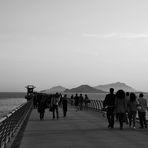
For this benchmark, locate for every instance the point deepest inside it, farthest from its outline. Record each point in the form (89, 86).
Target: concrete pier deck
(82, 129)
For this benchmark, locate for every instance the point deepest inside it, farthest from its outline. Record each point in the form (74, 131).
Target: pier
(86, 128)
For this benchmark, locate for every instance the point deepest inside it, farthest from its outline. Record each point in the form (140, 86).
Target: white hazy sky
(73, 42)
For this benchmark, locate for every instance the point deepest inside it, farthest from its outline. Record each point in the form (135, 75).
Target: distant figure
(109, 104)
(76, 99)
(81, 99)
(35, 100)
(64, 105)
(55, 105)
(42, 106)
(71, 100)
(142, 111)
(132, 109)
(120, 106)
(86, 100)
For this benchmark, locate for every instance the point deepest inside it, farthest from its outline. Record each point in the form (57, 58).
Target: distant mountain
(83, 89)
(116, 87)
(55, 89)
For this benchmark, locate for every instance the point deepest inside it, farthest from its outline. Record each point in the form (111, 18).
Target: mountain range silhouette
(89, 89)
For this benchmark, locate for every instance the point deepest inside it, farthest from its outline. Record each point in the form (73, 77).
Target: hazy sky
(72, 42)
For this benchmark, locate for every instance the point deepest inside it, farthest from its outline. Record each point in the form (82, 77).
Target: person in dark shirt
(64, 105)
(76, 99)
(109, 104)
(81, 99)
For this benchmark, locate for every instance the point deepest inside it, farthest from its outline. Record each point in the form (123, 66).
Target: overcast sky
(72, 42)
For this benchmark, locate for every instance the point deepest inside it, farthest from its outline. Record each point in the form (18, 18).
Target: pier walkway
(82, 129)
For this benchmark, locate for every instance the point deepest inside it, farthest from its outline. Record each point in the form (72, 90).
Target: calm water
(6, 105)
(9, 101)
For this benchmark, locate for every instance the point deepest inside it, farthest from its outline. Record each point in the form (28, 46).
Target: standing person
(76, 99)
(132, 109)
(120, 106)
(127, 98)
(54, 104)
(42, 106)
(109, 103)
(64, 105)
(81, 99)
(86, 100)
(142, 111)
(35, 100)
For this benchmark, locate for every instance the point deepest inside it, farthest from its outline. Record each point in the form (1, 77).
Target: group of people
(122, 106)
(125, 106)
(79, 100)
(52, 102)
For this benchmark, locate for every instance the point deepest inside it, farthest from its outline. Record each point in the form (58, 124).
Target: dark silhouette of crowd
(42, 101)
(125, 106)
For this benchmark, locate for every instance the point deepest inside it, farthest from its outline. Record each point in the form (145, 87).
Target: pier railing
(96, 105)
(10, 124)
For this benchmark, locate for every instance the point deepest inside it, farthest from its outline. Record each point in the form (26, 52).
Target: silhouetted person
(76, 99)
(132, 109)
(109, 104)
(81, 99)
(120, 106)
(35, 100)
(142, 111)
(64, 105)
(86, 100)
(55, 105)
(41, 107)
(127, 98)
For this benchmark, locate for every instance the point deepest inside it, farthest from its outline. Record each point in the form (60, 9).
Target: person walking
(127, 98)
(132, 109)
(76, 99)
(142, 102)
(86, 100)
(109, 104)
(55, 105)
(120, 106)
(42, 107)
(81, 99)
(64, 105)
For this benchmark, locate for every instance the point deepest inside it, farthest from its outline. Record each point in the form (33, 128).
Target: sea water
(8, 104)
